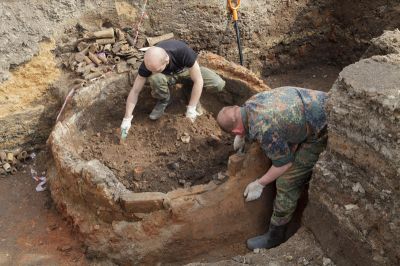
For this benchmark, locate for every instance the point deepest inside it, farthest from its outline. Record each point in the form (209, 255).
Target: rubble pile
(11, 161)
(355, 186)
(109, 50)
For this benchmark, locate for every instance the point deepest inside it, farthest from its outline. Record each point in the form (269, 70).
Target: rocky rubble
(387, 43)
(355, 188)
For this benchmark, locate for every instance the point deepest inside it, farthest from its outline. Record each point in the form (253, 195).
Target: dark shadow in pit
(296, 221)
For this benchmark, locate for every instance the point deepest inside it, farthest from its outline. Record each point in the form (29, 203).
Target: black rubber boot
(274, 237)
(159, 109)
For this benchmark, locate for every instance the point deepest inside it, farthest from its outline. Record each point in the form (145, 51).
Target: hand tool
(234, 10)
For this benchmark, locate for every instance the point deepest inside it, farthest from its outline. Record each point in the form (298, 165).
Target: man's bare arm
(133, 95)
(195, 75)
(273, 173)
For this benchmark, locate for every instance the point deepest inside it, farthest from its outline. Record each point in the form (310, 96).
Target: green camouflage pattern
(282, 118)
(290, 185)
(290, 124)
(160, 83)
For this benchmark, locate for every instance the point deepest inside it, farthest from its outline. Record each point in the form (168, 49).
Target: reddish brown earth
(31, 230)
(155, 156)
(33, 233)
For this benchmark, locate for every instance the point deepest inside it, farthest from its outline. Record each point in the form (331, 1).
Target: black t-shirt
(180, 56)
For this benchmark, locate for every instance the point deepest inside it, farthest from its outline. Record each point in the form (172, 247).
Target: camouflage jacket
(281, 118)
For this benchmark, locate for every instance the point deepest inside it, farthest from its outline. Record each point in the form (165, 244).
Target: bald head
(156, 59)
(229, 118)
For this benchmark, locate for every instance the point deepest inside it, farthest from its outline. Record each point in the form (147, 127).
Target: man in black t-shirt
(166, 64)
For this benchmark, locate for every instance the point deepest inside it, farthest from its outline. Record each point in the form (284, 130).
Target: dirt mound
(160, 155)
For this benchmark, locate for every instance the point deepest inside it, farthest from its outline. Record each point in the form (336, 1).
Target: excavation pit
(157, 155)
(160, 197)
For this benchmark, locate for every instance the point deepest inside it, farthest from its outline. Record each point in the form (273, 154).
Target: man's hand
(126, 123)
(239, 142)
(191, 113)
(253, 191)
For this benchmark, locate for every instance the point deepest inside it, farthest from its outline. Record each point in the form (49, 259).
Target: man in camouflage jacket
(290, 125)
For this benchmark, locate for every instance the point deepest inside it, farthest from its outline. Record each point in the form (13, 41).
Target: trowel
(124, 134)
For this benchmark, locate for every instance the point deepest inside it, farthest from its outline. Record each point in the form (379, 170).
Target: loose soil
(155, 156)
(32, 232)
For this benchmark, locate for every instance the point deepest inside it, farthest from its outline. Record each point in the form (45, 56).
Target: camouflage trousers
(290, 185)
(160, 83)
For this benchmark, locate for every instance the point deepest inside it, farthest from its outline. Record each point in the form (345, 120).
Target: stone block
(387, 43)
(340, 214)
(363, 110)
(142, 202)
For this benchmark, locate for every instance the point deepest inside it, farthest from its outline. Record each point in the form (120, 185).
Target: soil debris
(171, 152)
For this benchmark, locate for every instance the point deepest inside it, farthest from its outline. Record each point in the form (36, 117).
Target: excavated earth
(159, 200)
(177, 192)
(154, 157)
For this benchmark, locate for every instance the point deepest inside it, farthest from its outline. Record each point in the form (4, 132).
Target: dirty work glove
(253, 191)
(126, 123)
(191, 113)
(238, 143)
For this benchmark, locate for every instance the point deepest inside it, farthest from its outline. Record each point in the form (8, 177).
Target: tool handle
(234, 9)
(124, 134)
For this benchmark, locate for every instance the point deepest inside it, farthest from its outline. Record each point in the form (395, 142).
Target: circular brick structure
(150, 227)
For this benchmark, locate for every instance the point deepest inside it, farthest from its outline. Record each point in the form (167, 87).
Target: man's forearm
(195, 75)
(273, 173)
(131, 102)
(196, 92)
(133, 95)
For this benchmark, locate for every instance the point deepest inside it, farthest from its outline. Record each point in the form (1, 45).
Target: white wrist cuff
(191, 108)
(258, 182)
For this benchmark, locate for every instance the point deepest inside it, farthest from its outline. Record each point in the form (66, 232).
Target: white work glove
(253, 191)
(191, 113)
(126, 123)
(238, 143)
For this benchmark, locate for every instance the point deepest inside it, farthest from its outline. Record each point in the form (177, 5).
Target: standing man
(290, 125)
(166, 64)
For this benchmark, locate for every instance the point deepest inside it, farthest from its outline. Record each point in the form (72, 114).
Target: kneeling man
(168, 63)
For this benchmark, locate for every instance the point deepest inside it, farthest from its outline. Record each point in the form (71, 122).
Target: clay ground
(159, 155)
(33, 233)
